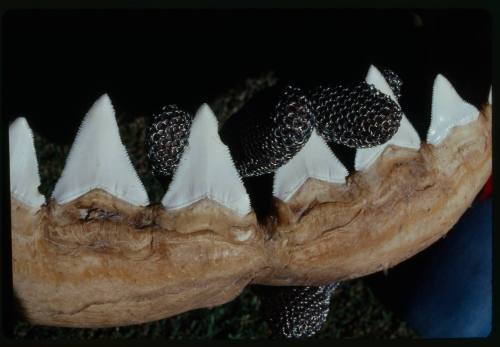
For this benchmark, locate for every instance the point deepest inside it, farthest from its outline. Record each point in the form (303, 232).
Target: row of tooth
(98, 158)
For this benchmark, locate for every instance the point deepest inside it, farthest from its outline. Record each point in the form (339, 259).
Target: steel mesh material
(297, 312)
(166, 137)
(356, 116)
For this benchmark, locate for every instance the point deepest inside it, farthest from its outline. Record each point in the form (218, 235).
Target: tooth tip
(372, 68)
(104, 99)
(207, 115)
(18, 122)
(102, 105)
(440, 77)
(205, 107)
(441, 84)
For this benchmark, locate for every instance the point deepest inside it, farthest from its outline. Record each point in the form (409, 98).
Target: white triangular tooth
(449, 110)
(98, 160)
(314, 160)
(406, 136)
(489, 96)
(24, 174)
(206, 170)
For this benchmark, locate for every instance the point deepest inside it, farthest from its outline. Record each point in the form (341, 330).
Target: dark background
(56, 63)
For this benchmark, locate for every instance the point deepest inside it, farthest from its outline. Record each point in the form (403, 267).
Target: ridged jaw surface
(98, 254)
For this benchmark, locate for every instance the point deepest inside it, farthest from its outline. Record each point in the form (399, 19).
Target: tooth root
(24, 175)
(406, 136)
(449, 110)
(98, 160)
(314, 160)
(206, 170)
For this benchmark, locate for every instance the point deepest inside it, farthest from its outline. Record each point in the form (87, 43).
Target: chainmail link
(356, 116)
(269, 130)
(395, 82)
(166, 137)
(297, 312)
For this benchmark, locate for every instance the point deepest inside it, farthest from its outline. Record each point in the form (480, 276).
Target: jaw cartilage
(98, 160)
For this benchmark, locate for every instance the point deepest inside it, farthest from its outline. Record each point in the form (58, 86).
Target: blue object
(446, 290)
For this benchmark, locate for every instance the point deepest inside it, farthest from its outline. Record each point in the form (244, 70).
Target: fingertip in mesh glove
(269, 130)
(166, 138)
(297, 312)
(357, 116)
(395, 82)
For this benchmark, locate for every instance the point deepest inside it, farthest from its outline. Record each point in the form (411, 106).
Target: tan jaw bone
(103, 258)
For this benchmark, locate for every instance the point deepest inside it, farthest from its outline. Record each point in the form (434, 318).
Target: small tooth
(448, 110)
(24, 175)
(489, 96)
(314, 160)
(206, 169)
(406, 136)
(98, 160)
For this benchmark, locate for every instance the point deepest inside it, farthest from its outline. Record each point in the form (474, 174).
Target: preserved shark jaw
(97, 254)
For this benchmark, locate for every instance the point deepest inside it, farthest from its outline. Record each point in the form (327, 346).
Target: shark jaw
(99, 260)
